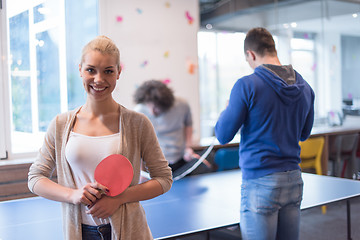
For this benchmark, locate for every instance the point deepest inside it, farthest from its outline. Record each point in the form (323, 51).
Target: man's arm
(305, 134)
(233, 117)
(189, 152)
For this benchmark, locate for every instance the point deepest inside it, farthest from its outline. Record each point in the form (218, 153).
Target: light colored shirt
(170, 128)
(84, 153)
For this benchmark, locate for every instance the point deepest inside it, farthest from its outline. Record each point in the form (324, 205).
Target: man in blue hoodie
(274, 110)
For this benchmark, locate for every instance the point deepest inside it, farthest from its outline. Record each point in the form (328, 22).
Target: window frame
(4, 97)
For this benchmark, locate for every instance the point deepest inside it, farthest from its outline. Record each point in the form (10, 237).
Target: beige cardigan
(137, 141)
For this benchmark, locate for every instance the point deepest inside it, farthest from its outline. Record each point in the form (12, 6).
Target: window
(303, 57)
(222, 62)
(44, 43)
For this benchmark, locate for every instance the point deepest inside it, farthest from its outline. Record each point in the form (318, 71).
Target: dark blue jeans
(102, 232)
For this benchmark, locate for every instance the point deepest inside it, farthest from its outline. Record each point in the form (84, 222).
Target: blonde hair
(104, 45)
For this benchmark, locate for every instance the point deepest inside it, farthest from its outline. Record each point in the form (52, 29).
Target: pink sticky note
(189, 17)
(119, 18)
(166, 81)
(313, 68)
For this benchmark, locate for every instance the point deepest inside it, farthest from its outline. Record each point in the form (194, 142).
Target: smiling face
(99, 73)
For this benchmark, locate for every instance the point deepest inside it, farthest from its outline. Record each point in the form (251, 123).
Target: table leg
(325, 156)
(348, 219)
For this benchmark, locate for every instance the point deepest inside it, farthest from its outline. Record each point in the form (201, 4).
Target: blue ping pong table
(195, 204)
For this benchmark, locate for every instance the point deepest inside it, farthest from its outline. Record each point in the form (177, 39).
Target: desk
(351, 125)
(195, 204)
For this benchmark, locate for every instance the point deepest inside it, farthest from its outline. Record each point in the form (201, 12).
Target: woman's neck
(100, 108)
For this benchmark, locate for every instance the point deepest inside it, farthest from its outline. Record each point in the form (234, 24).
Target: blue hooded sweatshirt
(274, 114)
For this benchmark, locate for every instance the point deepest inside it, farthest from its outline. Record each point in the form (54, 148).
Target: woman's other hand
(88, 194)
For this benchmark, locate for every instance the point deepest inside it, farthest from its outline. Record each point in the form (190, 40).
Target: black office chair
(344, 152)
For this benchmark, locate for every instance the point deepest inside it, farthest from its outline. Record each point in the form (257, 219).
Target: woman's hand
(88, 194)
(105, 206)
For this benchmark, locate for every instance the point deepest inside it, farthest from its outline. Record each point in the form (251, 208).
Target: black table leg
(348, 219)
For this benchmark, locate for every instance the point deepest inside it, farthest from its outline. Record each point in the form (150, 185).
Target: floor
(332, 225)
(314, 225)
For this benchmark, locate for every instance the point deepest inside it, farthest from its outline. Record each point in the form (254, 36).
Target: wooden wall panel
(13, 181)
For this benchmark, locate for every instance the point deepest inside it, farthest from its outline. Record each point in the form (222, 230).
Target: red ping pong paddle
(114, 172)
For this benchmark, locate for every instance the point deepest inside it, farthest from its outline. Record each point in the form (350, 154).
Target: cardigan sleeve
(153, 156)
(45, 163)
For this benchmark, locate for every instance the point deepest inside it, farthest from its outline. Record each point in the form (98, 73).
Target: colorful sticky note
(189, 17)
(119, 18)
(167, 4)
(166, 54)
(139, 11)
(333, 49)
(143, 64)
(313, 67)
(191, 67)
(166, 81)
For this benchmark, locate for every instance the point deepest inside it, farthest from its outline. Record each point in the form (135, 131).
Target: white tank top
(83, 154)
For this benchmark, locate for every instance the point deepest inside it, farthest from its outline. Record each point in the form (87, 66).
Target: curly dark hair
(260, 41)
(156, 92)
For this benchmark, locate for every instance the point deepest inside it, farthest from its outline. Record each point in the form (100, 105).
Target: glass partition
(320, 38)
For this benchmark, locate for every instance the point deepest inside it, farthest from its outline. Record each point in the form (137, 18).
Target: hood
(288, 93)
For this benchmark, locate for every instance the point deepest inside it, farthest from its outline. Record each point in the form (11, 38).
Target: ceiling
(309, 15)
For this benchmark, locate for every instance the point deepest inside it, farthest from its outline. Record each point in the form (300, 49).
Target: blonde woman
(76, 141)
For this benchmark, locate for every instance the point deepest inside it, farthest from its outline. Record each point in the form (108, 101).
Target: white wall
(156, 41)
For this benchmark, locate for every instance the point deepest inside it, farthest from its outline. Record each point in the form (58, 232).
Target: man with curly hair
(171, 118)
